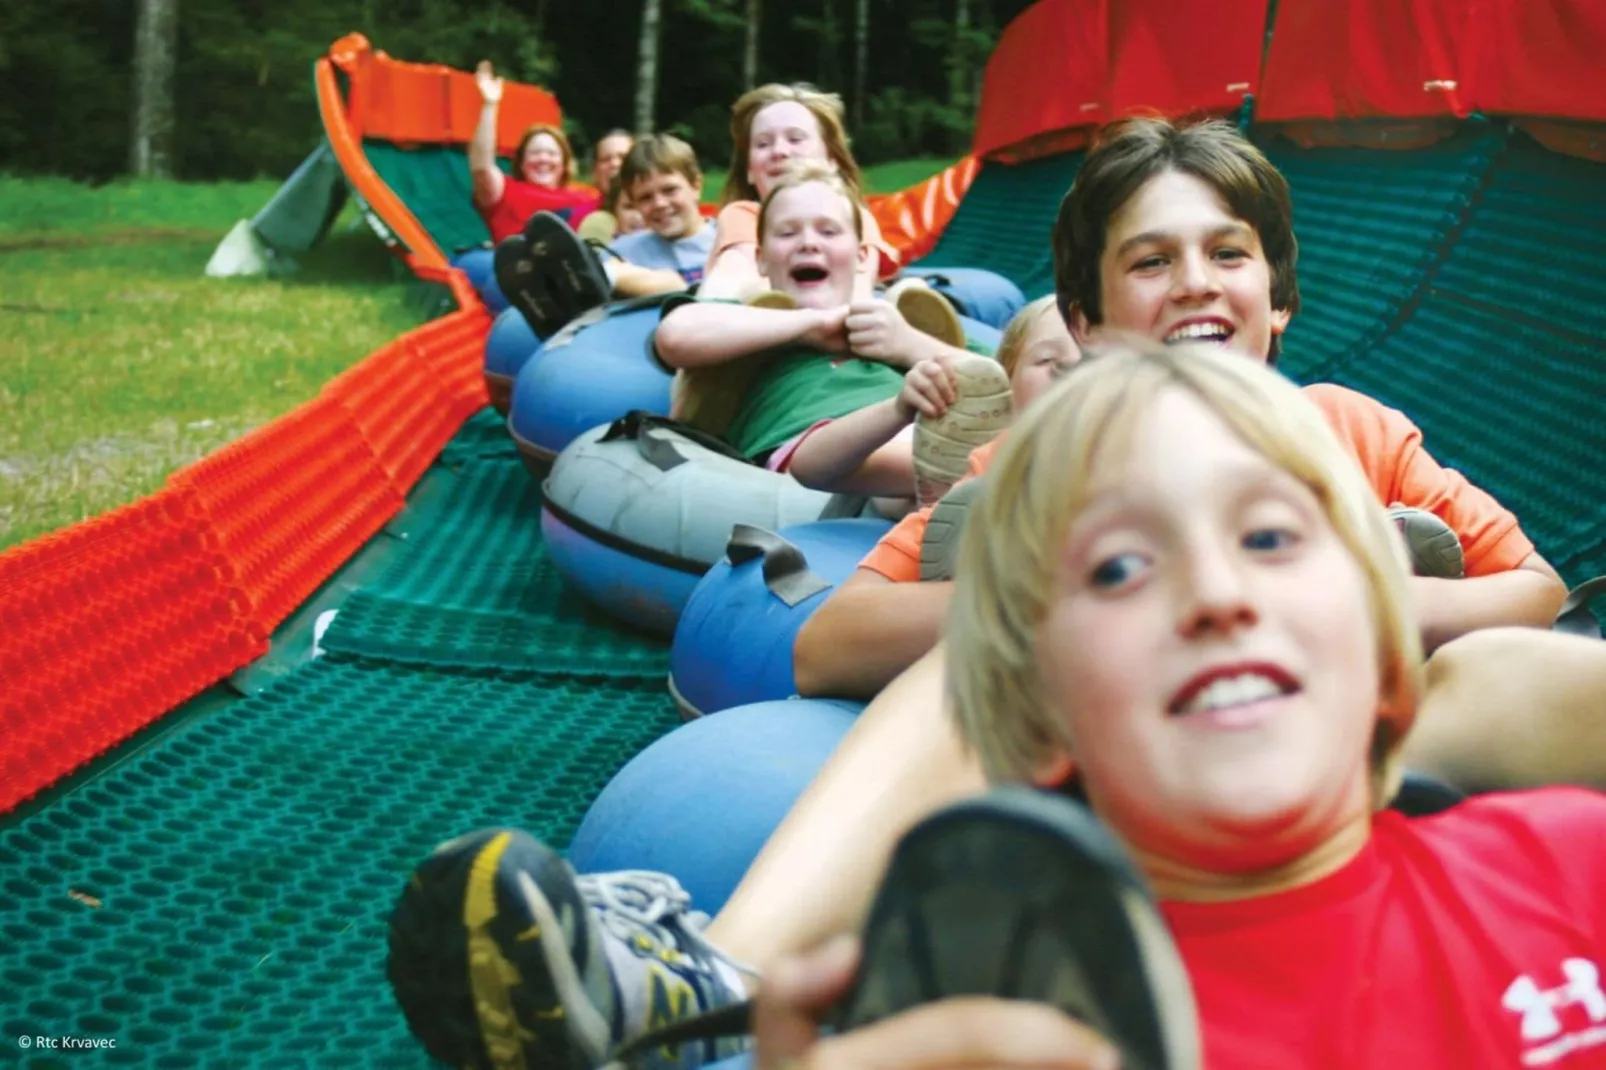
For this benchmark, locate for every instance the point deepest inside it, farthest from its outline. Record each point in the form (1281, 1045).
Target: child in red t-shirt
(1179, 593)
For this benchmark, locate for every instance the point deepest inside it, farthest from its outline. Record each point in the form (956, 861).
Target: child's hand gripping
(928, 388)
(877, 331)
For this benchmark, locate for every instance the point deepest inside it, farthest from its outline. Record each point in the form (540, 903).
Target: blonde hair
(827, 111)
(1041, 478)
(1013, 340)
(803, 172)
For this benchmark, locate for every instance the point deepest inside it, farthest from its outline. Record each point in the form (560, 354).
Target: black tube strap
(786, 570)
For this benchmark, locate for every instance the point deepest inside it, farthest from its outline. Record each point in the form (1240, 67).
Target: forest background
(205, 90)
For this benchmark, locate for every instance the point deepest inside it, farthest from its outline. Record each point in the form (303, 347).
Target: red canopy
(1543, 58)
(1177, 56)
(1400, 59)
(1047, 74)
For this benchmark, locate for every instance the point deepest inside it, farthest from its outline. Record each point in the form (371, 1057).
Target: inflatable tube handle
(1575, 617)
(659, 451)
(786, 570)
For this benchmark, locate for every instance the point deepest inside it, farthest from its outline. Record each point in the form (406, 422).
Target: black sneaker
(501, 957)
(550, 274)
(1024, 895)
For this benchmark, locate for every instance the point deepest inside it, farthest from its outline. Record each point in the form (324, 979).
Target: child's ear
(867, 253)
(1279, 320)
(1053, 769)
(1081, 329)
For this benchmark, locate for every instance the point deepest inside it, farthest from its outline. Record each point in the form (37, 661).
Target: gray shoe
(1434, 548)
(939, 549)
(942, 446)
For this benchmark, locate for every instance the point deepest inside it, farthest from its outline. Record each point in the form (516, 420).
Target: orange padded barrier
(1048, 73)
(427, 103)
(104, 627)
(912, 220)
(108, 624)
(290, 502)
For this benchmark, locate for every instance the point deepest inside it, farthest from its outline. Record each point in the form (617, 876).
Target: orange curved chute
(912, 219)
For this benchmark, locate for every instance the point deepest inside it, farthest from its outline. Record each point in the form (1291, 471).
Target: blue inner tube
(699, 803)
(733, 645)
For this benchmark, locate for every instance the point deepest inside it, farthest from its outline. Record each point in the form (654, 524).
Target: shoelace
(636, 902)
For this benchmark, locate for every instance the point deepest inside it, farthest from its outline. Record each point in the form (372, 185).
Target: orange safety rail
(430, 104)
(110, 623)
(104, 627)
(912, 220)
(345, 142)
(290, 502)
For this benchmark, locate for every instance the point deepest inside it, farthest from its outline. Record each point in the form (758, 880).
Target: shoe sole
(939, 546)
(549, 274)
(984, 407)
(480, 963)
(1019, 895)
(1434, 547)
(930, 313)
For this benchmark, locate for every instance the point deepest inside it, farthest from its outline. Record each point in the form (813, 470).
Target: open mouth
(1214, 331)
(1232, 689)
(808, 274)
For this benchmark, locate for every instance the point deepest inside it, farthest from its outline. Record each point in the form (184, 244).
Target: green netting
(1502, 363)
(243, 868)
(433, 182)
(483, 436)
(1371, 225)
(1003, 223)
(475, 589)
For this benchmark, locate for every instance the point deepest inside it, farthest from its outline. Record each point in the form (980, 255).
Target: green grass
(880, 178)
(124, 362)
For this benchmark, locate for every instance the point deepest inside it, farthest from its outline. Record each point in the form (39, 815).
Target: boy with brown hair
(1183, 232)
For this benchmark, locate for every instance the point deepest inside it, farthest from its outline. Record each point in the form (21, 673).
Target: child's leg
(902, 760)
(1514, 708)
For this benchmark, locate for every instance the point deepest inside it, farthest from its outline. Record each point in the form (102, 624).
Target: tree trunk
(150, 149)
(861, 62)
(755, 14)
(959, 64)
(647, 68)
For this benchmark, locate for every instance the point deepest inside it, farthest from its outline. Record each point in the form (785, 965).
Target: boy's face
(809, 249)
(667, 203)
(1179, 266)
(1211, 644)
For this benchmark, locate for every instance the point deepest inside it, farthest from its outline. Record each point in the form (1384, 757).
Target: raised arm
(487, 177)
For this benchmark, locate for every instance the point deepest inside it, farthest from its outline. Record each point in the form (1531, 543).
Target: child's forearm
(482, 146)
(1448, 609)
(700, 334)
(837, 457)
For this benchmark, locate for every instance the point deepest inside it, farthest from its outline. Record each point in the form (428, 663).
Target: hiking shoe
(939, 546)
(1435, 549)
(927, 311)
(942, 446)
(1019, 894)
(501, 957)
(550, 274)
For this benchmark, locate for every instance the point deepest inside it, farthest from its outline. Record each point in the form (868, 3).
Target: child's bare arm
(877, 331)
(861, 453)
(704, 333)
(1530, 594)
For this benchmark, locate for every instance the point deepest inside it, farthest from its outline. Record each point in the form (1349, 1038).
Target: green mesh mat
(483, 436)
(475, 589)
(1371, 225)
(1502, 366)
(244, 867)
(433, 182)
(1004, 221)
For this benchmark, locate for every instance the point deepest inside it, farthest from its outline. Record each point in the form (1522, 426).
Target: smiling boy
(1183, 232)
